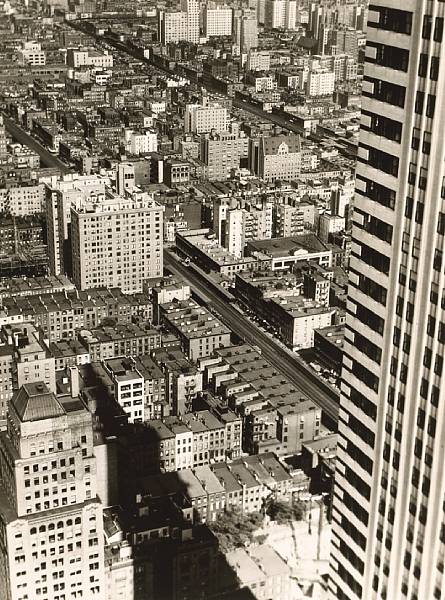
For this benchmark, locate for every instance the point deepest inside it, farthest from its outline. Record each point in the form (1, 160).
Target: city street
(46, 158)
(281, 358)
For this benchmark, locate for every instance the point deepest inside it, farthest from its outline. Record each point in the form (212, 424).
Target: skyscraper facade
(388, 519)
(51, 521)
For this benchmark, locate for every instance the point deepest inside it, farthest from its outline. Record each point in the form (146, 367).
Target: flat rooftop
(205, 241)
(289, 246)
(192, 320)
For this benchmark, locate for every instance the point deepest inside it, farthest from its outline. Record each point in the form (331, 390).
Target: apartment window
(423, 65)
(363, 403)
(426, 146)
(375, 259)
(430, 106)
(427, 26)
(378, 193)
(362, 431)
(384, 91)
(391, 19)
(383, 161)
(389, 56)
(365, 375)
(369, 318)
(372, 289)
(434, 68)
(438, 29)
(353, 532)
(420, 101)
(383, 126)
(377, 227)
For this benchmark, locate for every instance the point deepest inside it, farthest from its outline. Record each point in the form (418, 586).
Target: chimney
(74, 382)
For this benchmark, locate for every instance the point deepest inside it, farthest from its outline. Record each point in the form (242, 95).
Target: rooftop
(192, 320)
(205, 241)
(289, 246)
(34, 402)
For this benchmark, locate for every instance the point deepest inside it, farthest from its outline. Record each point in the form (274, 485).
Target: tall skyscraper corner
(388, 519)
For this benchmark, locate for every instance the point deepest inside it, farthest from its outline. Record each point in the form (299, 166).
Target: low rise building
(243, 484)
(90, 57)
(284, 253)
(198, 329)
(128, 388)
(296, 320)
(155, 400)
(32, 360)
(127, 339)
(183, 442)
(183, 380)
(68, 353)
(167, 290)
(328, 344)
(262, 571)
(202, 247)
(20, 287)
(61, 315)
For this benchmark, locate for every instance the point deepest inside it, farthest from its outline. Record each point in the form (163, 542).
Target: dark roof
(272, 143)
(307, 43)
(34, 402)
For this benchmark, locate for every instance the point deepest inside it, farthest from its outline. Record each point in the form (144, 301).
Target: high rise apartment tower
(117, 243)
(388, 514)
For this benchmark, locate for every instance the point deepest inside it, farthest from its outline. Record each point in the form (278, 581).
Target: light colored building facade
(117, 243)
(217, 20)
(234, 238)
(199, 331)
(287, 220)
(328, 224)
(141, 143)
(203, 118)
(23, 200)
(31, 53)
(59, 195)
(320, 83)
(88, 57)
(172, 27)
(128, 389)
(258, 60)
(51, 539)
(280, 14)
(221, 153)
(180, 26)
(3, 140)
(192, 9)
(275, 157)
(388, 520)
(245, 30)
(32, 361)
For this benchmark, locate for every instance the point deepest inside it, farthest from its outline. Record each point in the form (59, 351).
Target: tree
(108, 322)
(235, 529)
(285, 513)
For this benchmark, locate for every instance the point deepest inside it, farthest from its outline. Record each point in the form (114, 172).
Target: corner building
(388, 514)
(51, 523)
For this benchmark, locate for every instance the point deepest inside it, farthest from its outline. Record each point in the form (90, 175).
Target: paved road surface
(283, 360)
(46, 158)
